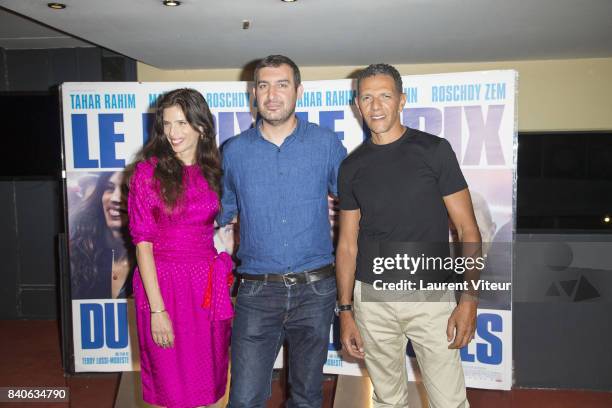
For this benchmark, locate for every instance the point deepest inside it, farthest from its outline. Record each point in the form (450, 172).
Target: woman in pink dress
(183, 307)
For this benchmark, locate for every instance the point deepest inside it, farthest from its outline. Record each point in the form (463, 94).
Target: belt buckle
(289, 280)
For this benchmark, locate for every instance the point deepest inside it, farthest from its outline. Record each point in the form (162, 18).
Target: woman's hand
(161, 330)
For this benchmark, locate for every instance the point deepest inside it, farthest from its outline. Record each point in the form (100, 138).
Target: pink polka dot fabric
(194, 371)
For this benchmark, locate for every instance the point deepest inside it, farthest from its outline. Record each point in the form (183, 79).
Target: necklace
(118, 268)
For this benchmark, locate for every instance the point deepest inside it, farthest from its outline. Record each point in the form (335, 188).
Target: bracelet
(343, 308)
(158, 311)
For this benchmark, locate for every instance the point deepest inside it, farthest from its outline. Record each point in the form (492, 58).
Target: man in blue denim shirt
(277, 177)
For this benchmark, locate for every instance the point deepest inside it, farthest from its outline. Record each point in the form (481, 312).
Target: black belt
(290, 279)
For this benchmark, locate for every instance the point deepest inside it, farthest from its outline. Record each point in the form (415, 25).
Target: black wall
(31, 220)
(31, 201)
(41, 70)
(561, 311)
(562, 277)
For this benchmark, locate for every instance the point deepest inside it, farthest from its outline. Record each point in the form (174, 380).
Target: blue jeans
(267, 313)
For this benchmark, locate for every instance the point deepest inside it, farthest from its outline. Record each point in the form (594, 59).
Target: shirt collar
(298, 132)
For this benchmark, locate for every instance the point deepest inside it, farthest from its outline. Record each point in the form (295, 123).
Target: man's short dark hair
(276, 61)
(381, 69)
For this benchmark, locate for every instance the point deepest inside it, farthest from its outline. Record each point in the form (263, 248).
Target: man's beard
(277, 121)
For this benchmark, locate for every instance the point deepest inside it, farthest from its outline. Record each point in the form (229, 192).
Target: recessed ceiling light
(171, 3)
(56, 6)
(288, 1)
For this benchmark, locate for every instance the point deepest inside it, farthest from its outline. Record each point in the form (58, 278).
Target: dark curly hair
(169, 169)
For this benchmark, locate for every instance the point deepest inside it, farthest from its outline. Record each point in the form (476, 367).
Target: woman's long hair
(169, 169)
(89, 237)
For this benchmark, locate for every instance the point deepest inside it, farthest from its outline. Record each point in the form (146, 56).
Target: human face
(180, 134)
(380, 105)
(112, 204)
(276, 94)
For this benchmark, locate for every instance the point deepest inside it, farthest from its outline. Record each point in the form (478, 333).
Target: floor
(30, 356)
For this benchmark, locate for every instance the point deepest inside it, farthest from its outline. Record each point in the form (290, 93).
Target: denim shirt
(280, 194)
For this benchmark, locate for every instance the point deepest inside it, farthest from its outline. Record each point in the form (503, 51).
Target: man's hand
(461, 325)
(225, 235)
(350, 336)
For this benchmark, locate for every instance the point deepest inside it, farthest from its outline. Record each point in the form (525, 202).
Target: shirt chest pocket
(309, 180)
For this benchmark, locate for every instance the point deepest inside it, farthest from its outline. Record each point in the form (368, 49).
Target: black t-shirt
(399, 189)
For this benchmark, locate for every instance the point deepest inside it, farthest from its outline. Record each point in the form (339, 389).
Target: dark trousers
(267, 313)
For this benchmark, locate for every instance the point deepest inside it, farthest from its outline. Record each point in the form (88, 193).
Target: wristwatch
(343, 308)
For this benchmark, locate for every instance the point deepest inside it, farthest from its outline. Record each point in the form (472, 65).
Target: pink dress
(193, 280)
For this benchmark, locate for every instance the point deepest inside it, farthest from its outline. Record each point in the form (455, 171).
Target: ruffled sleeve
(142, 199)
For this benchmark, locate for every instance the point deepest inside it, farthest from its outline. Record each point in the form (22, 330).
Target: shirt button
(286, 244)
(284, 221)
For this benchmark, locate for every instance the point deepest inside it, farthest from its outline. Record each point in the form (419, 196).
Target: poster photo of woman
(101, 253)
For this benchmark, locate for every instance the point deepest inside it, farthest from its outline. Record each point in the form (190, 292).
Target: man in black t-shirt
(401, 186)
